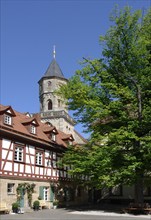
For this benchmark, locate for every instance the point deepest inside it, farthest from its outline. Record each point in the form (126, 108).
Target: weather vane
(54, 51)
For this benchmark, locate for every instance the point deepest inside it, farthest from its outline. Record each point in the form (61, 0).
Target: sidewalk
(113, 210)
(105, 213)
(79, 213)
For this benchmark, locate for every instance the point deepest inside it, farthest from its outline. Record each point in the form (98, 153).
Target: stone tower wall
(46, 93)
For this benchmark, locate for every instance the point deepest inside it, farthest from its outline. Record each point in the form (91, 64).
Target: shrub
(55, 202)
(15, 207)
(36, 205)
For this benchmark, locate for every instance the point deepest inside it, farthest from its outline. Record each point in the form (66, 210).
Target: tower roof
(54, 70)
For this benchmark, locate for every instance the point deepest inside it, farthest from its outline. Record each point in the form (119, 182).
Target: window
(48, 123)
(53, 137)
(49, 83)
(45, 191)
(39, 158)
(54, 156)
(59, 103)
(10, 188)
(18, 154)
(33, 129)
(7, 119)
(54, 163)
(68, 142)
(49, 104)
(49, 163)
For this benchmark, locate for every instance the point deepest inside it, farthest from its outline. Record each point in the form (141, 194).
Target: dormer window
(51, 132)
(33, 129)
(31, 125)
(7, 114)
(7, 119)
(48, 123)
(53, 137)
(68, 142)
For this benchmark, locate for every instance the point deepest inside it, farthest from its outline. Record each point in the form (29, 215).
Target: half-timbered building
(29, 154)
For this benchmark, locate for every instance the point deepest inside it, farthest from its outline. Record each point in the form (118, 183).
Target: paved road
(63, 214)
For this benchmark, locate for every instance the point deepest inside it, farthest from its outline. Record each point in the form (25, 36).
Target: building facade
(29, 169)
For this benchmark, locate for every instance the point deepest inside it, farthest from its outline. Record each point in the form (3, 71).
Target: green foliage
(55, 202)
(23, 188)
(111, 96)
(15, 207)
(36, 204)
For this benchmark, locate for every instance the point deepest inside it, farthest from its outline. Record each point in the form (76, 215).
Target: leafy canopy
(111, 96)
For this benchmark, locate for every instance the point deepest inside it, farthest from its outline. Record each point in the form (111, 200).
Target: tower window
(49, 105)
(49, 83)
(59, 103)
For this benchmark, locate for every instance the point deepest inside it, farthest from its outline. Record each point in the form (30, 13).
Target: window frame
(20, 150)
(50, 105)
(11, 187)
(53, 136)
(7, 119)
(49, 83)
(33, 129)
(39, 156)
(46, 193)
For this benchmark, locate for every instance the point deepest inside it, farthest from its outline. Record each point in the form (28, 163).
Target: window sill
(17, 161)
(39, 165)
(11, 194)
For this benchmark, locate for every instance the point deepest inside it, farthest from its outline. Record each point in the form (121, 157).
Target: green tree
(111, 96)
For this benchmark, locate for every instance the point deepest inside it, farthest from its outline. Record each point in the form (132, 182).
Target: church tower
(53, 108)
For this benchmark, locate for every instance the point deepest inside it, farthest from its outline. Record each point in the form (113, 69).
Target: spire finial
(54, 51)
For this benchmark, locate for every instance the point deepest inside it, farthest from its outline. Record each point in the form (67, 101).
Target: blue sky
(30, 28)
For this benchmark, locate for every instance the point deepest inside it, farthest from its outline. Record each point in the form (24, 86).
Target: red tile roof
(18, 127)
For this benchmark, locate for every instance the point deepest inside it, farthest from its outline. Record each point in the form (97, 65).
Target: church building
(53, 109)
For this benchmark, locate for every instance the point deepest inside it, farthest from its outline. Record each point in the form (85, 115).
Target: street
(64, 214)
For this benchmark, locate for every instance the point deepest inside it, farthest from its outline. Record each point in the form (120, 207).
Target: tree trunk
(139, 197)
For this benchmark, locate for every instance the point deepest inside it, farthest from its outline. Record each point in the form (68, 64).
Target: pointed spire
(53, 68)
(54, 51)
